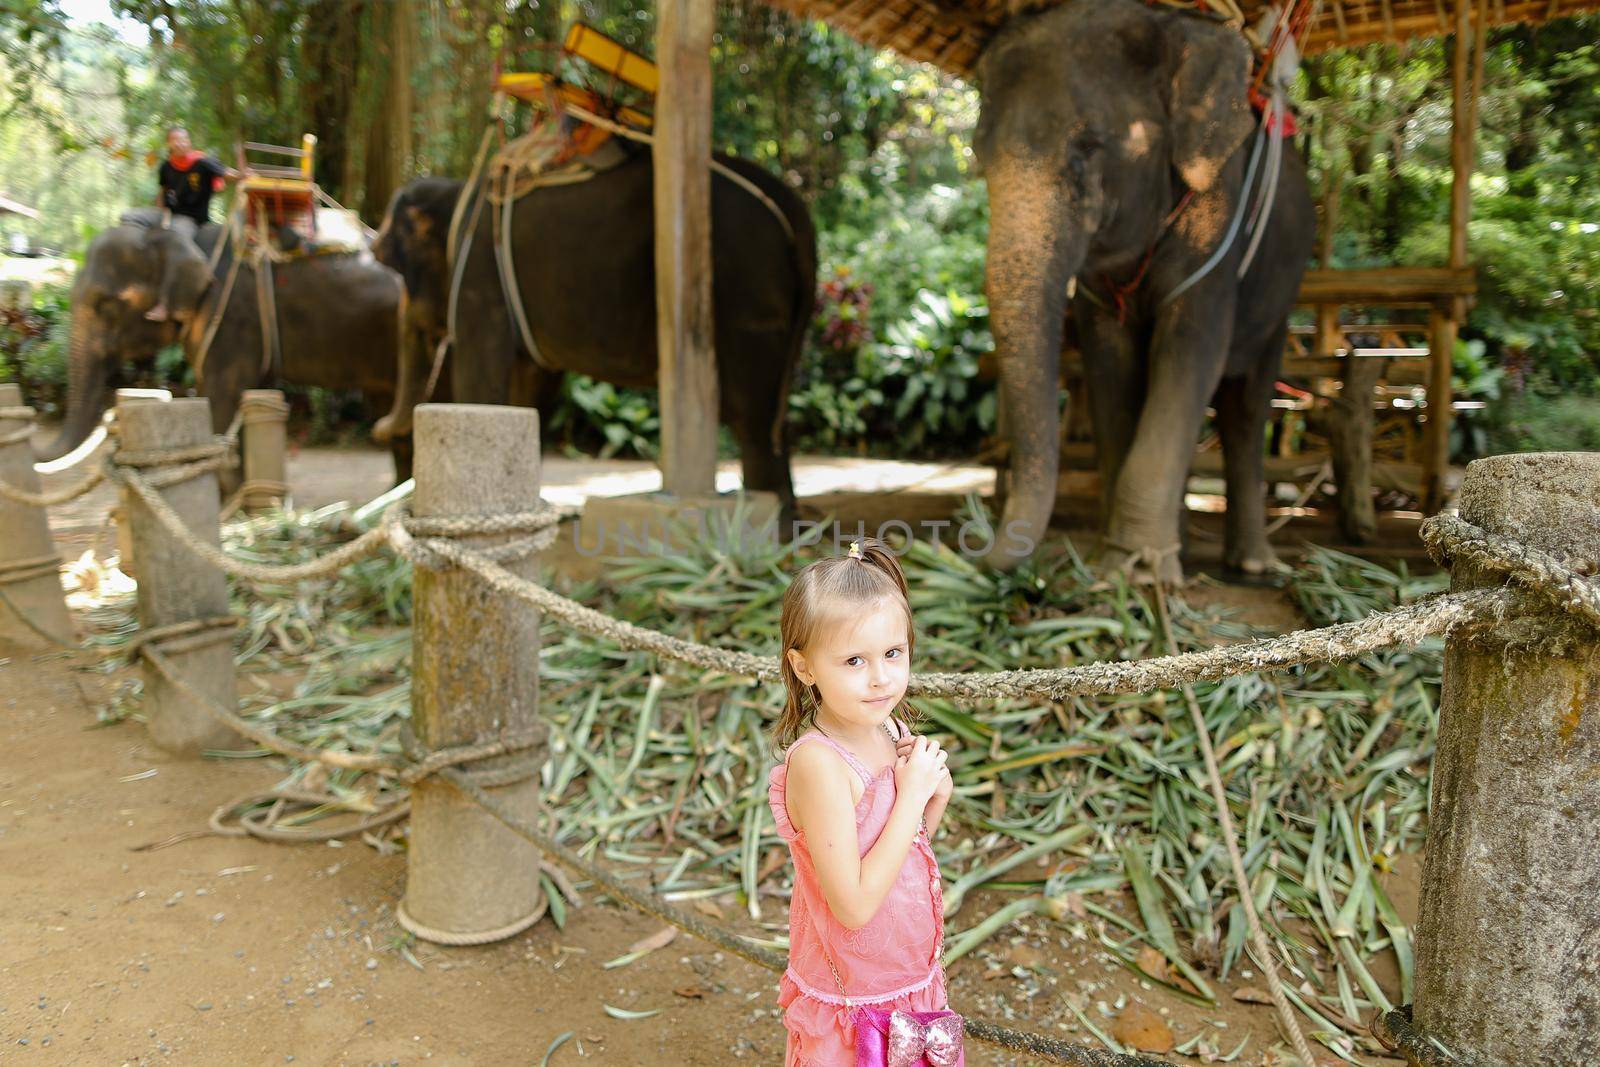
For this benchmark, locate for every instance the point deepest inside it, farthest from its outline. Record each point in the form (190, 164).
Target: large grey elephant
(145, 285)
(1101, 120)
(585, 275)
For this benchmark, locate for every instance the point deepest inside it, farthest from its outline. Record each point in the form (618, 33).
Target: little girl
(856, 798)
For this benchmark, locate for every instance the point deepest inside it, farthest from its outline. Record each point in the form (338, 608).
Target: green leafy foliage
(33, 348)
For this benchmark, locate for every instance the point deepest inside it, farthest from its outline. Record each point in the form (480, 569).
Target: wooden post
(264, 425)
(1466, 77)
(32, 607)
(469, 880)
(1507, 963)
(684, 323)
(1350, 427)
(174, 586)
(119, 513)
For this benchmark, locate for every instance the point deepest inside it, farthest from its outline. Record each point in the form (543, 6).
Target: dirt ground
(233, 951)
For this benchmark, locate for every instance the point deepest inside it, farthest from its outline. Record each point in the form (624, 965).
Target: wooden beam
(1385, 285)
(1078, 473)
(684, 323)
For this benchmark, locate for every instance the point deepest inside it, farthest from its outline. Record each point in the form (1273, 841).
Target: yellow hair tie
(855, 549)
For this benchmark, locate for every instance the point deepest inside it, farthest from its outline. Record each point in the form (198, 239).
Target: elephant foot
(384, 430)
(1148, 565)
(1254, 566)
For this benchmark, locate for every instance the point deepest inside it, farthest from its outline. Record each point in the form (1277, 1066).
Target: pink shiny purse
(897, 1038)
(908, 1038)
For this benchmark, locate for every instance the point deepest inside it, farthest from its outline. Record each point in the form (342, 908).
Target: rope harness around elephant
(515, 171)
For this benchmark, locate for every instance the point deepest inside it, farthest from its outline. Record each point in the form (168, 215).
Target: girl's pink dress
(891, 962)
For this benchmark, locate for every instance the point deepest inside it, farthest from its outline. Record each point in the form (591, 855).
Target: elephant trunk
(87, 377)
(1035, 248)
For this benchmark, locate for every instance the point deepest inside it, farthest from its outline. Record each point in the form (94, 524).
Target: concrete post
(1508, 942)
(32, 607)
(264, 426)
(475, 656)
(174, 586)
(119, 513)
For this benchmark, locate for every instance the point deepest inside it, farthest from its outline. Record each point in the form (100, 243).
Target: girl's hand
(919, 769)
(946, 786)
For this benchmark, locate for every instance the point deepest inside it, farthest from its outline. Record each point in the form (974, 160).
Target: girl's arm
(818, 797)
(934, 812)
(941, 796)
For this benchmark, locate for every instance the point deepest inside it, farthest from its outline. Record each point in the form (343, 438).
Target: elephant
(585, 270)
(1113, 137)
(145, 285)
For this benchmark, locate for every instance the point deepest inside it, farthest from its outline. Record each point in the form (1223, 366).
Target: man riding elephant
(335, 316)
(188, 178)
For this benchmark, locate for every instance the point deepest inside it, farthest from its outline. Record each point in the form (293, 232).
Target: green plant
(33, 348)
(626, 421)
(936, 352)
(1474, 377)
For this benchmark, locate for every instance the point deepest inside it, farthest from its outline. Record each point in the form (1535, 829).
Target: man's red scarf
(182, 163)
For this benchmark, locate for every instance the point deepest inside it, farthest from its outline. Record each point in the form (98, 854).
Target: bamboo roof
(950, 33)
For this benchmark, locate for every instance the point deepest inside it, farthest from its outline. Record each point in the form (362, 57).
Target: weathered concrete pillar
(119, 513)
(475, 678)
(1508, 943)
(264, 427)
(32, 607)
(174, 585)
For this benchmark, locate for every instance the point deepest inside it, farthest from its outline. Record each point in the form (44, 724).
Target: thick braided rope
(22, 413)
(153, 649)
(40, 499)
(21, 570)
(1396, 1032)
(52, 497)
(258, 409)
(1450, 538)
(1048, 1048)
(1405, 626)
(437, 552)
(540, 522)
(354, 551)
(485, 937)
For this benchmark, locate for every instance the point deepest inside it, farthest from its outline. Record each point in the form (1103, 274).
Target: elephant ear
(1210, 109)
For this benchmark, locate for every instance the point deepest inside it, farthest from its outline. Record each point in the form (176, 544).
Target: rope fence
(1516, 581)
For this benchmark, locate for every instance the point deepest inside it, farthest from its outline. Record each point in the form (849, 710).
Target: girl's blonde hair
(825, 593)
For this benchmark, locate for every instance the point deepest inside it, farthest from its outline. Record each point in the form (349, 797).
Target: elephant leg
(485, 361)
(750, 409)
(1114, 382)
(1242, 404)
(402, 448)
(413, 364)
(1187, 353)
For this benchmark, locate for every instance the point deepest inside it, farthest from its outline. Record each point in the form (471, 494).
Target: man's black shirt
(188, 192)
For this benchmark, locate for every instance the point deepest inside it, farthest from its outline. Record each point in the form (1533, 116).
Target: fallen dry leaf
(1152, 962)
(1142, 1028)
(1251, 995)
(708, 906)
(692, 992)
(659, 939)
(1025, 955)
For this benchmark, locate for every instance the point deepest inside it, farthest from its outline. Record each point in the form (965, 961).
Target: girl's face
(861, 669)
